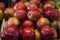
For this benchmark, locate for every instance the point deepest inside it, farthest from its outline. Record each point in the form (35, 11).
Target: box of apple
(32, 20)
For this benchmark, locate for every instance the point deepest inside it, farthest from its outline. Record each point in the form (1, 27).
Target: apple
(35, 1)
(47, 5)
(34, 14)
(46, 33)
(42, 22)
(28, 34)
(11, 33)
(37, 35)
(55, 33)
(57, 15)
(28, 23)
(19, 5)
(50, 3)
(9, 12)
(20, 14)
(13, 21)
(1, 15)
(2, 6)
(49, 13)
(32, 6)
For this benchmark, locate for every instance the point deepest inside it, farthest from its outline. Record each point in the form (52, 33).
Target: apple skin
(20, 14)
(19, 5)
(49, 4)
(9, 12)
(37, 35)
(1, 15)
(35, 1)
(34, 14)
(28, 23)
(46, 33)
(49, 13)
(11, 33)
(2, 6)
(31, 6)
(28, 34)
(55, 33)
(42, 22)
(13, 21)
(57, 15)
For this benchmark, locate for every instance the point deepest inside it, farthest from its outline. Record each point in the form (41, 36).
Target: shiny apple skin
(11, 33)
(46, 32)
(35, 1)
(49, 13)
(42, 22)
(34, 14)
(32, 6)
(20, 14)
(19, 5)
(28, 34)
(9, 12)
(28, 23)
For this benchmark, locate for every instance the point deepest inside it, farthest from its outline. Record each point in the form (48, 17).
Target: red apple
(1, 15)
(55, 33)
(28, 34)
(2, 6)
(11, 33)
(34, 14)
(57, 16)
(9, 12)
(49, 13)
(49, 4)
(46, 33)
(20, 14)
(35, 1)
(28, 23)
(13, 21)
(31, 6)
(19, 5)
(42, 22)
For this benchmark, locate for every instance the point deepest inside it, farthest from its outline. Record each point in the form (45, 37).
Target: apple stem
(2, 24)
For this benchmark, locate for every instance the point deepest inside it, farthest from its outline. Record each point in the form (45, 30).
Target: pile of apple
(32, 20)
